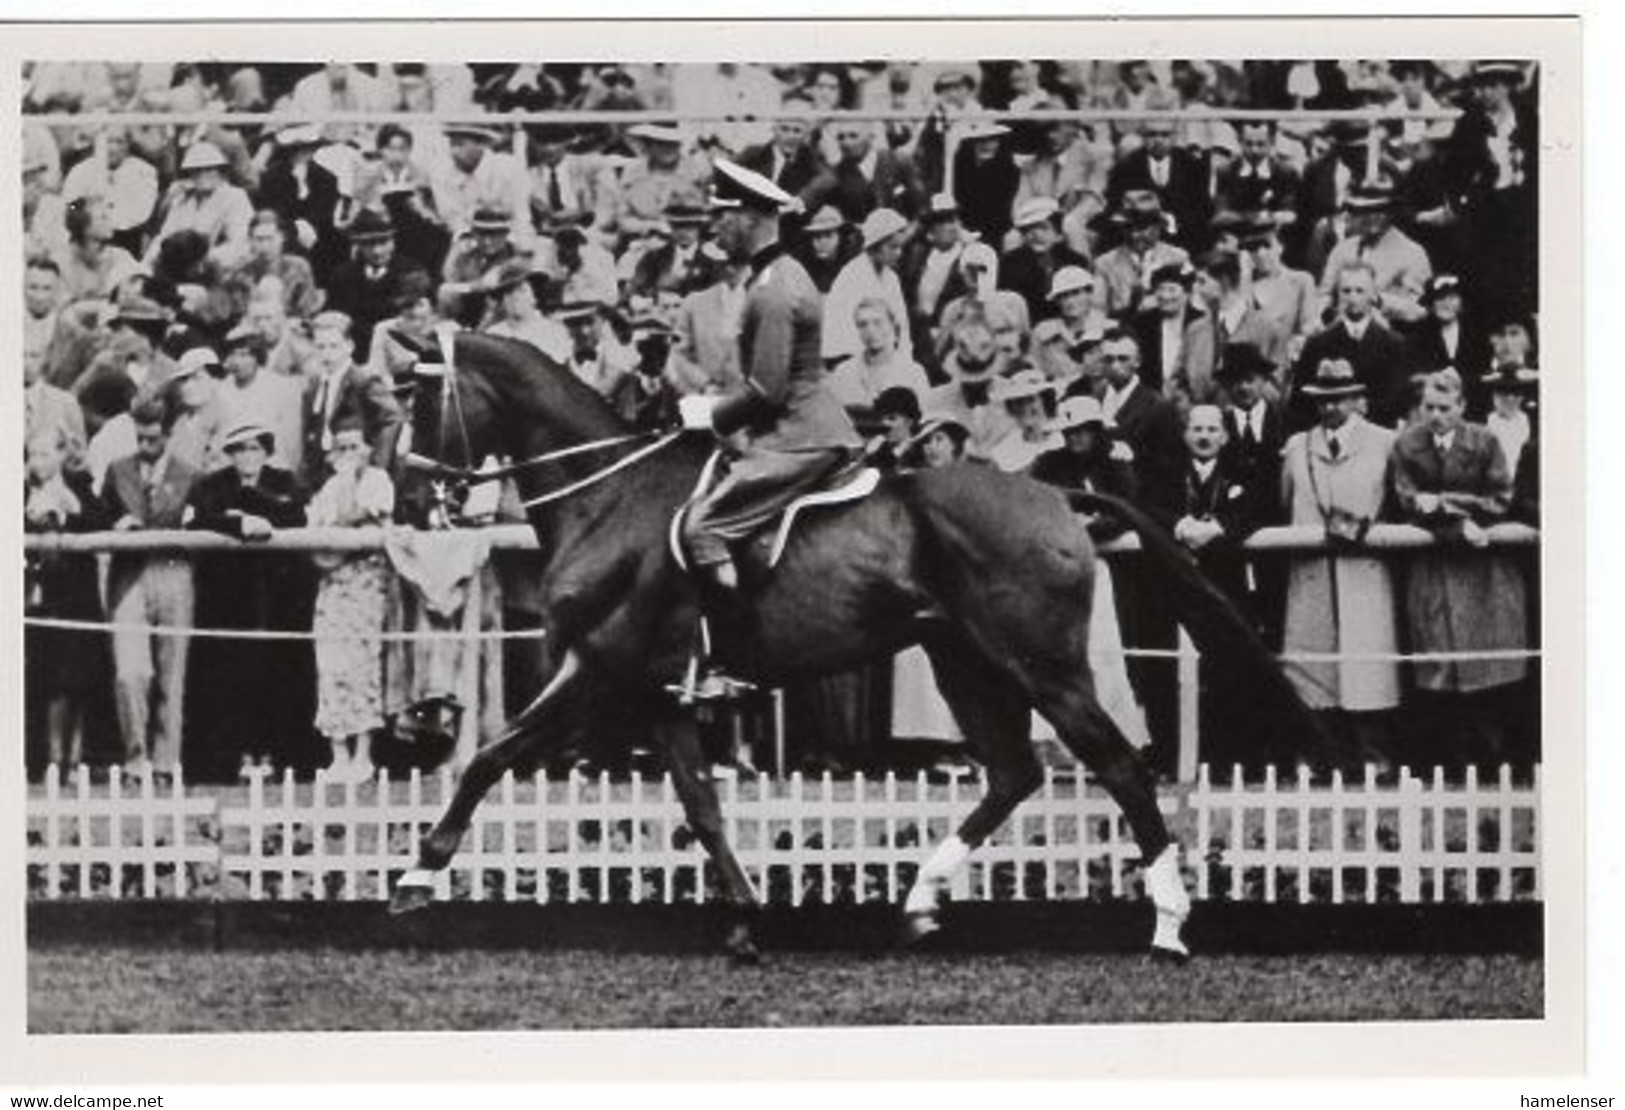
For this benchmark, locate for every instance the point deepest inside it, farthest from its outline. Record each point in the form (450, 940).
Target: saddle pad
(861, 485)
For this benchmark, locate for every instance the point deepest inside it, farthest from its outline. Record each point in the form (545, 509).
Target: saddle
(845, 486)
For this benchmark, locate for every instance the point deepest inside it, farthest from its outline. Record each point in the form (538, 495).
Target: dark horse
(991, 573)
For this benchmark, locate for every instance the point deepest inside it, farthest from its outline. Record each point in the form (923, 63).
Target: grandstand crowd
(1273, 319)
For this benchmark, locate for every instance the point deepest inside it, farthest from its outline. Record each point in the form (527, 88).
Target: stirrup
(708, 684)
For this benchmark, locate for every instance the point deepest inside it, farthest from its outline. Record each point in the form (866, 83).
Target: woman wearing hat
(1177, 343)
(1512, 391)
(305, 193)
(825, 248)
(351, 603)
(204, 200)
(985, 179)
(269, 237)
(249, 700)
(512, 309)
(1004, 311)
(1494, 163)
(1029, 398)
(871, 274)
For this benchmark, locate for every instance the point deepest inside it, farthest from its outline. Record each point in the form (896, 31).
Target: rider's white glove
(696, 410)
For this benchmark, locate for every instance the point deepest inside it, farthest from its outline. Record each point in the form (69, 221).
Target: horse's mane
(516, 369)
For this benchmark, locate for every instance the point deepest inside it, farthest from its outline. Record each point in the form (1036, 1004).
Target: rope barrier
(66, 624)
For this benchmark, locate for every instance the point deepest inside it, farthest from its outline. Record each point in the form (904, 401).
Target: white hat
(300, 134)
(203, 155)
(1078, 412)
(1069, 279)
(984, 129)
(1036, 211)
(196, 359)
(880, 225)
(656, 133)
(979, 254)
(1027, 382)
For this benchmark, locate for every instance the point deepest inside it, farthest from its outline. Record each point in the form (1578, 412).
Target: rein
(467, 477)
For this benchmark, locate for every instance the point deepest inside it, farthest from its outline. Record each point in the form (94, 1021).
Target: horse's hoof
(1176, 957)
(918, 925)
(410, 894)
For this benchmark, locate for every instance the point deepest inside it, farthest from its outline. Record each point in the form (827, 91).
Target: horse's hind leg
(993, 712)
(703, 810)
(538, 725)
(1090, 733)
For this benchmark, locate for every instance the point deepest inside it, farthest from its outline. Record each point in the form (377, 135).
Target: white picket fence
(802, 840)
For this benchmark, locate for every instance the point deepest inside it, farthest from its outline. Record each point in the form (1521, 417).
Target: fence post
(1189, 706)
(1410, 837)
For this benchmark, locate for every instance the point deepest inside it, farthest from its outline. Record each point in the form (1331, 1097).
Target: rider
(796, 432)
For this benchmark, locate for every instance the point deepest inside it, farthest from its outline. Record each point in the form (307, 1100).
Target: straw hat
(1027, 382)
(203, 155)
(249, 431)
(880, 225)
(1070, 279)
(827, 218)
(1035, 211)
(1334, 377)
(1078, 412)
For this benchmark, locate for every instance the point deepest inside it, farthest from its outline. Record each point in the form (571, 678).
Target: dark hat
(827, 218)
(487, 218)
(1242, 360)
(558, 225)
(1512, 379)
(1177, 273)
(1371, 196)
(898, 400)
(1440, 285)
(1129, 218)
(243, 336)
(505, 275)
(139, 311)
(686, 210)
(1222, 261)
(1334, 377)
(370, 225)
(248, 432)
(414, 286)
(733, 186)
(1255, 228)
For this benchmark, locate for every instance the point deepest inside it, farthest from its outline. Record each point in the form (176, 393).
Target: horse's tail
(1220, 631)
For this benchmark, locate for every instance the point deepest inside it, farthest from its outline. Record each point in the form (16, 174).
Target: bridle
(445, 477)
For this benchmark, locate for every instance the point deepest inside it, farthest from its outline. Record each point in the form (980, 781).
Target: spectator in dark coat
(306, 194)
(250, 700)
(1030, 269)
(791, 160)
(1177, 177)
(1258, 181)
(1176, 338)
(339, 386)
(985, 180)
(367, 288)
(1447, 336)
(1379, 357)
(865, 178)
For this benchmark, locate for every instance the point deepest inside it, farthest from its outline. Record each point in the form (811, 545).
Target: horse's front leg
(541, 723)
(703, 810)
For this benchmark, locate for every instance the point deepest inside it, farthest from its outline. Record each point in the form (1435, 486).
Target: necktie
(555, 195)
(1335, 446)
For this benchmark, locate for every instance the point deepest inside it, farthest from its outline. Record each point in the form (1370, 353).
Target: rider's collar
(763, 258)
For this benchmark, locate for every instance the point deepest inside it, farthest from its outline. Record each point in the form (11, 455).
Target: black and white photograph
(639, 534)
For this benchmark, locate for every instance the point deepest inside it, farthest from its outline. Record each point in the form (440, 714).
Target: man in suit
(1379, 357)
(1125, 270)
(1259, 180)
(1176, 338)
(366, 288)
(1177, 177)
(1399, 266)
(707, 344)
(678, 265)
(149, 490)
(930, 269)
(565, 186)
(865, 178)
(1254, 427)
(791, 160)
(338, 386)
(1030, 269)
(1145, 420)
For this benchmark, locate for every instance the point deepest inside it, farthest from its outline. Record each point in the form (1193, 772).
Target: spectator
(1145, 421)
(514, 312)
(871, 274)
(1069, 168)
(1002, 310)
(306, 194)
(1260, 181)
(474, 254)
(186, 279)
(288, 350)
(44, 213)
(790, 160)
(985, 180)
(1029, 398)
(51, 415)
(564, 186)
(972, 366)
(1342, 603)
(366, 288)
(677, 265)
(1285, 297)
(595, 356)
(1510, 350)
(1254, 426)
(351, 603)
(130, 365)
(1511, 391)
(897, 411)
(1125, 270)
(649, 185)
(1450, 477)
(1174, 175)
(865, 178)
(194, 416)
(251, 394)
(65, 669)
(707, 356)
(1237, 315)
(742, 94)
(392, 356)
(477, 176)
(825, 252)
(883, 362)
(1359, 338)
(1031, 268)
(149, 490)
(579, 268)
(1064, 345)
(125, 180)
(1328, 180)
(929, 268)
(647, 398)
(941, 441)
(1176, 338)
(1399, 268)
(1445, 337)
(205, 201)
(338, 87)
(59, 344)
(402, 187)
(337, 387)
(268, 258)
(93, 269)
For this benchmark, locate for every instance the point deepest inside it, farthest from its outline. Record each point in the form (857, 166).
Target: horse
(991, 573)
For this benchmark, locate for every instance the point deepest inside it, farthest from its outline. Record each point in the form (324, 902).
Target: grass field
(135, 990)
